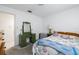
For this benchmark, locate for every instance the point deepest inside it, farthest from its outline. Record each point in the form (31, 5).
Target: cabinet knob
(2, 33)
(2, 39)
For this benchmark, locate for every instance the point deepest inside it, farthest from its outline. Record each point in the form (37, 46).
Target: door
(7, 26)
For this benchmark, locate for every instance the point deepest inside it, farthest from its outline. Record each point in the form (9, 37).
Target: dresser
(2, 43)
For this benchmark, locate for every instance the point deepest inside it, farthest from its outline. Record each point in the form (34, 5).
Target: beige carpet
(20, 51)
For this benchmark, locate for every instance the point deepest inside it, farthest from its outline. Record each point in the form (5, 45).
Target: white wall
(36, 22)
(67, 20)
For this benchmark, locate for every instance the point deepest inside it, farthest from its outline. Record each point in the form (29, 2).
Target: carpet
(20, 51)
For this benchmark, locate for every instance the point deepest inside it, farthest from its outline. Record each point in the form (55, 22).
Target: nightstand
(49, 34)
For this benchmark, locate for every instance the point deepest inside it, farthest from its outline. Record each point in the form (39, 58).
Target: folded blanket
(67, 50)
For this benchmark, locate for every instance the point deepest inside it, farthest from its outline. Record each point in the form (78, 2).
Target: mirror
(26, 27)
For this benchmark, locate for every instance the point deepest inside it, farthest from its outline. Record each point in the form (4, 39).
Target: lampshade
(50, 26)
(51, 29)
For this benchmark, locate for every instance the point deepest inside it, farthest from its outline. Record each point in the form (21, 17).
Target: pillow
(65, 36)
(55, 34)
(77, 38)
(73, 37)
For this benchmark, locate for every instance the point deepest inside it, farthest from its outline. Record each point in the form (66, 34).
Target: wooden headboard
(69, 33)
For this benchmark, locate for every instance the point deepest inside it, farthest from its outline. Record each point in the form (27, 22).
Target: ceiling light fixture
(40, 4)
(29, 11)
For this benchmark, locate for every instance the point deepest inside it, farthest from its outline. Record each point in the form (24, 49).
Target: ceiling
(42, 10)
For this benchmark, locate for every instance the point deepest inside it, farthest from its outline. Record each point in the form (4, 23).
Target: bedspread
(67, 50)
(55, 45)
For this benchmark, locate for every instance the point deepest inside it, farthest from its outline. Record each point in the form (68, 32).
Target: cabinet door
(33, 38)
(22, 41)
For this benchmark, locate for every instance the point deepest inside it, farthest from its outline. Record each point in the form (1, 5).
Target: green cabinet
(23, 39)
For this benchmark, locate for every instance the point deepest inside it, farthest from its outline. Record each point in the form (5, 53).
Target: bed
(59, 43)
